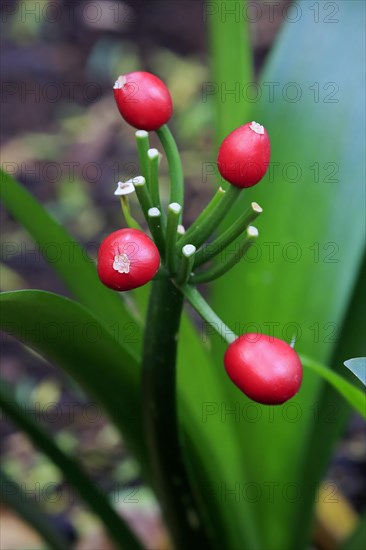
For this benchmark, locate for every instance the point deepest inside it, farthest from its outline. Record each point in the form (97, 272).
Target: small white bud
(255, 206)
(175, 207)
(153, 153)
(153, 212)
(138, 180)
(252, 231)
(188, 250)
(257, 128)
(141, 134)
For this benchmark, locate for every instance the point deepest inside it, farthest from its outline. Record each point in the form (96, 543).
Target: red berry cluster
(266, 369)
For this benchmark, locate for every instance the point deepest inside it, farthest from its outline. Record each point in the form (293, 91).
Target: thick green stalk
(161, 420)
(175, 165)
(90, 493)
(210, 217)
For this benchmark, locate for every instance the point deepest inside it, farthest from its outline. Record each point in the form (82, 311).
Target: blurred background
(63, 138)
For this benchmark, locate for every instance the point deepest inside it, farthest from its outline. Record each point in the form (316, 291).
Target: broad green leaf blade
(355, 397)
(114, 524)
(214, 458)
(331, 414)
(309, 253)
(71, 263)
(232, 62)
(77, 341)
(12, 495)
(357, 365)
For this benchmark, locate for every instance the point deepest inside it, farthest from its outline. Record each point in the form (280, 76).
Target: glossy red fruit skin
(141, 252)
(244, 156)
(144, 101)
(265, 368)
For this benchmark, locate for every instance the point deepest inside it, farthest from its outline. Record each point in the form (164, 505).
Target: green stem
(155, 226)
(143, 145)
(185, 269)
(93, 496)
(12, 495)
(227, 237)
(143, 196)
(160, 417)
(220, 268)
(154, 159)
(210, 218)
(175, 165)
(126, 211)
(208, 210)
(196, 300)
(174, 212)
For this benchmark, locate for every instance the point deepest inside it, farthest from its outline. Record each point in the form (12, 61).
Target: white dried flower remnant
(121, 263)
(257, 128)
(124, 188)
(120, 82)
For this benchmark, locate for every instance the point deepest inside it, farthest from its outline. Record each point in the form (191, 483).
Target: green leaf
(12, 494)
(77, 341)
(214, 458)
(87, 489)
(70, 261)
(355, 397)
(232, 63)
(331, 414)
(358, 537)
(358, 367)
(301, 280)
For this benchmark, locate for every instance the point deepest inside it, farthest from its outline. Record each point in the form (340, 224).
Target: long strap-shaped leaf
(12, 495)
(332, 413)
(70, 335)
(321, 216)
(71, 262)
(354, 397)
(93, 496)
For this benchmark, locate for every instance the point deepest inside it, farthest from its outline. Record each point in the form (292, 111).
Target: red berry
(265, 368)
(143, 100)
(244, 155)
(127, 259)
